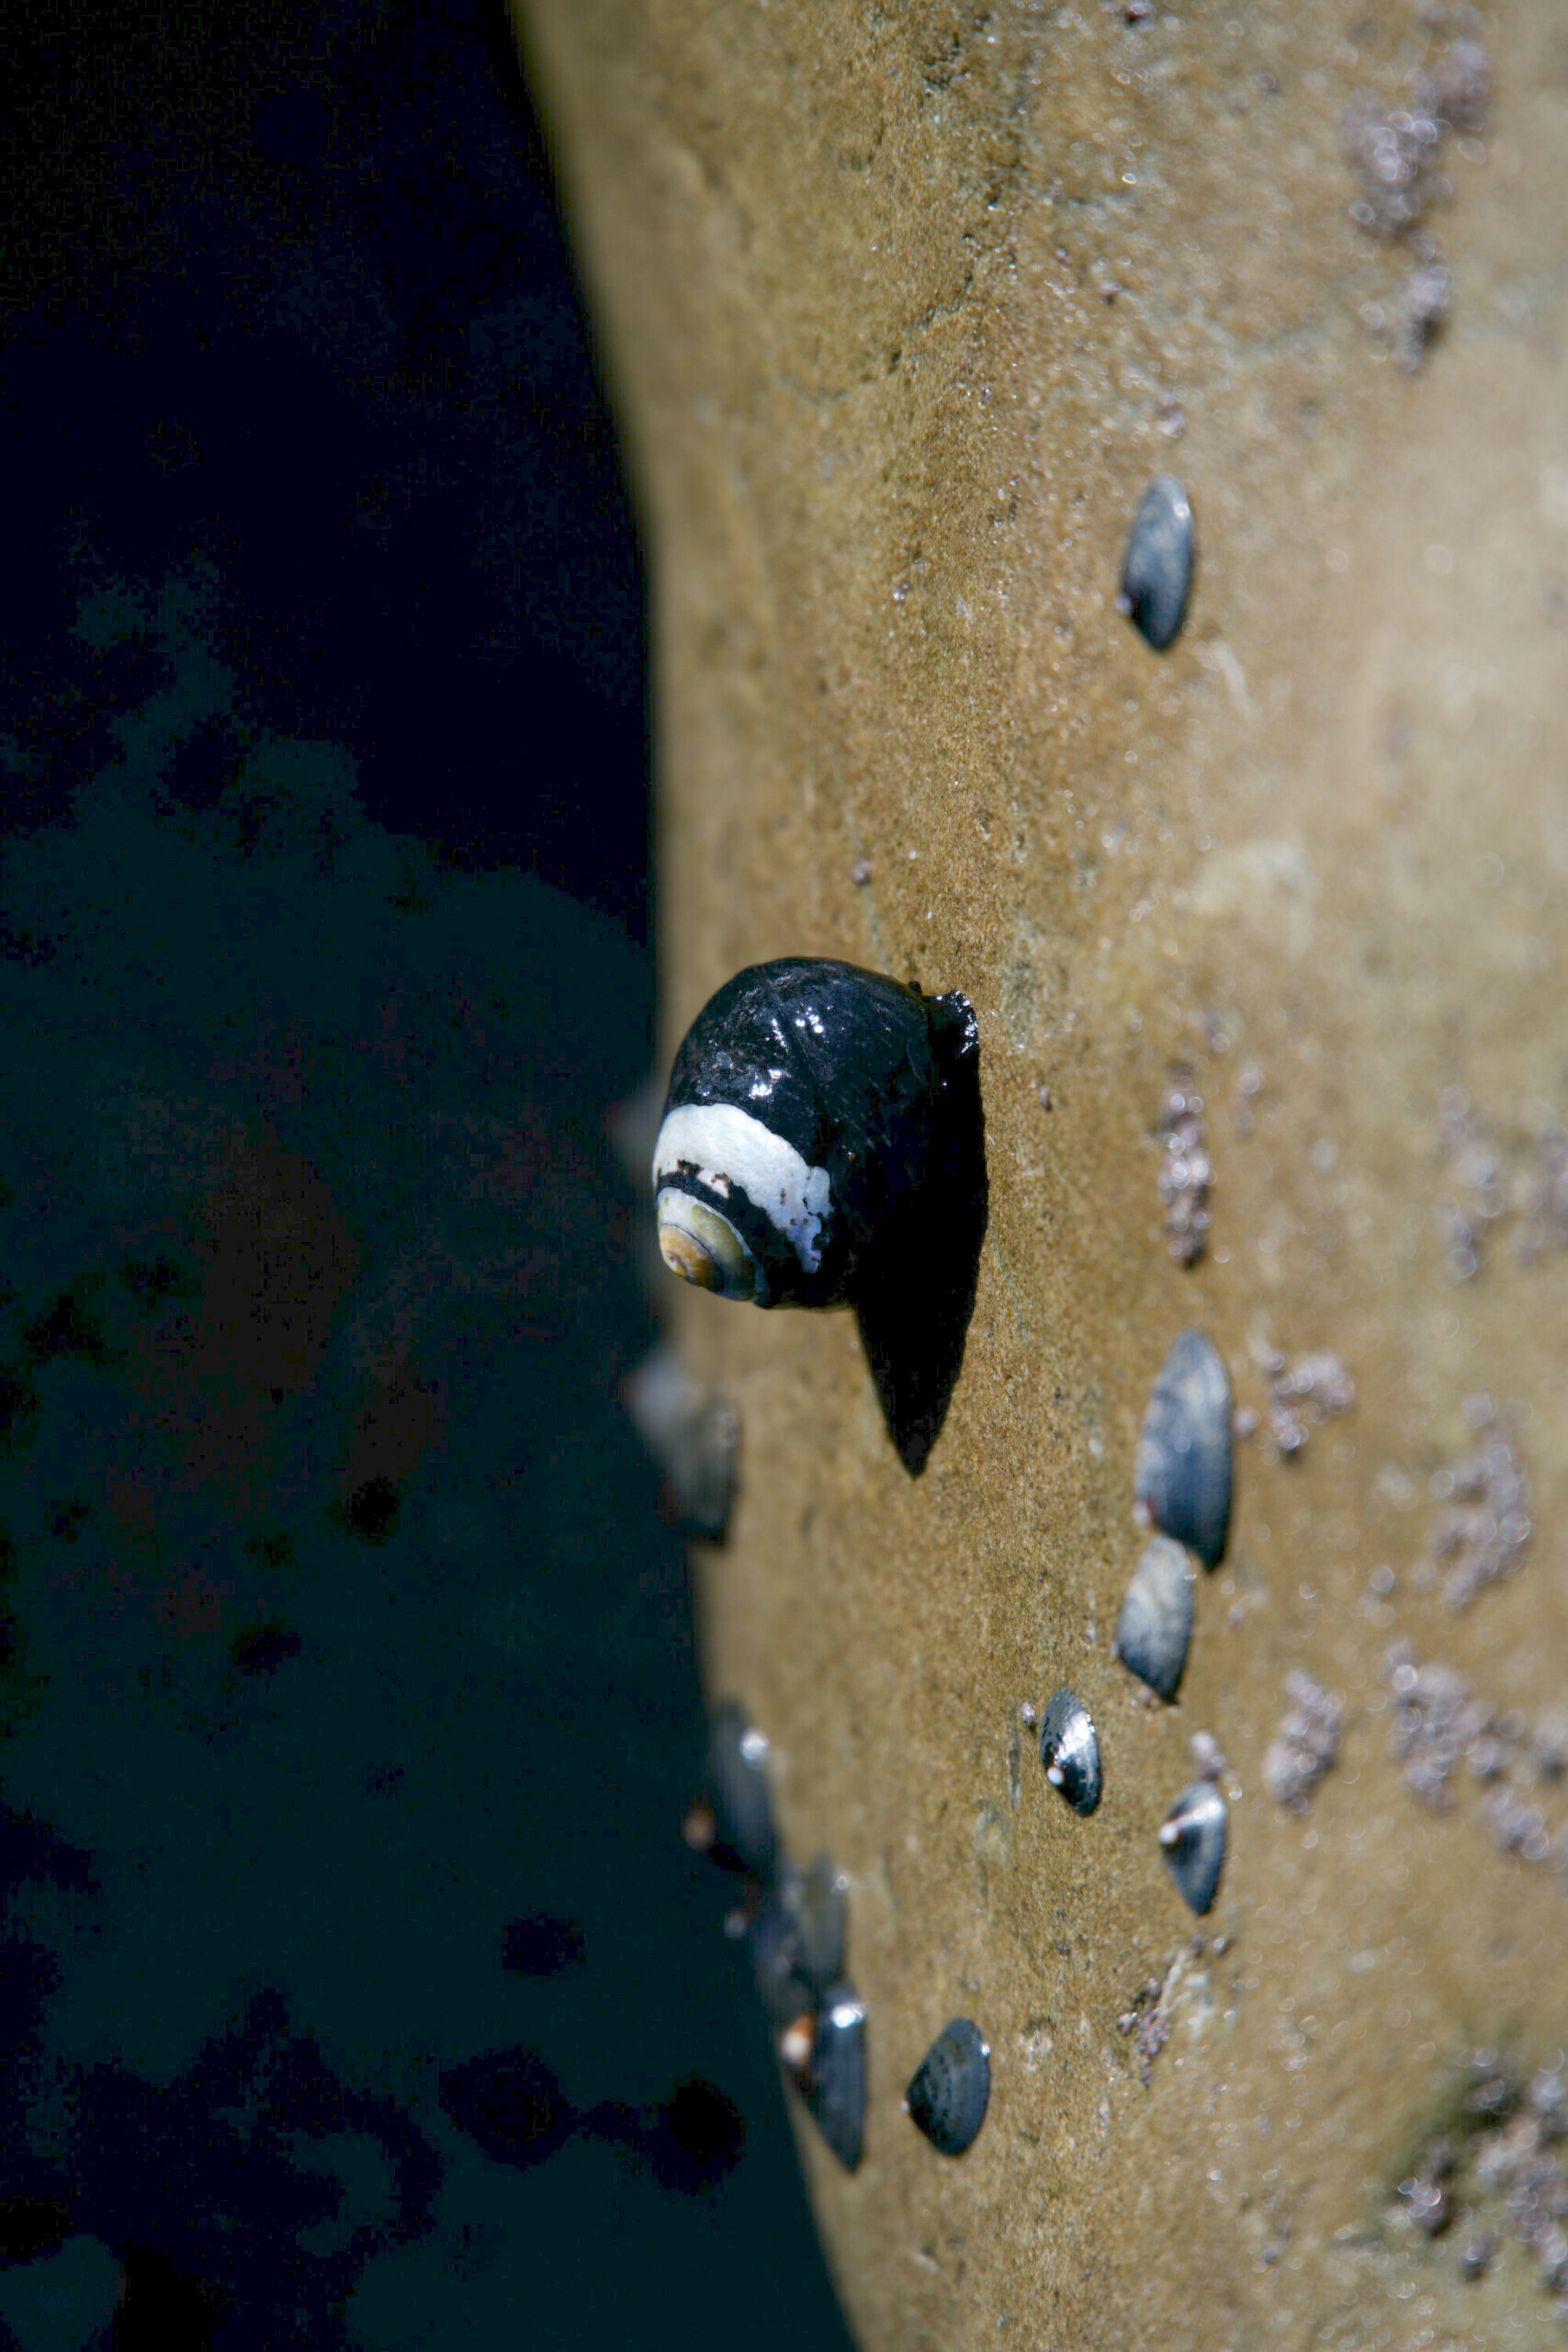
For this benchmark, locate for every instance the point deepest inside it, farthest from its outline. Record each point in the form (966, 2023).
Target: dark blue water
(359, 1987)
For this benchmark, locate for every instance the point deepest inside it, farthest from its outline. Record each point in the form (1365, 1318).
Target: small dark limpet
(1192, 1839)
(1154, 1628)
(1157, 569)
(952, 2087)
(825, 2052)
(1069, 1750)
(1182, 1474)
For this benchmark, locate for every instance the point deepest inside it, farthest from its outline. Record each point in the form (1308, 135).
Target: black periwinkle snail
(823, 1145)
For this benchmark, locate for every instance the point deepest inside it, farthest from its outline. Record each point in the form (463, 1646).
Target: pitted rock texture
(904, 309)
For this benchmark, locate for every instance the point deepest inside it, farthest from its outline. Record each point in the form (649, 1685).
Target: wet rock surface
(1311, 855)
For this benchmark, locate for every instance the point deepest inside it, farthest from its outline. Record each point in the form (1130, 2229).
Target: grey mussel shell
(1192, 1839)
(737, 1792)
(1069, 1750)
(1156, 570)
(1155, 1624)
(799, 1939)
(831, 2076)
(952, 2087)
(1182, 1471)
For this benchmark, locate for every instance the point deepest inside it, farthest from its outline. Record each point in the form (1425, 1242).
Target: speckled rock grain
(902, 306)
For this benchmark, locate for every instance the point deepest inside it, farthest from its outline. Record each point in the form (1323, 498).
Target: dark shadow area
(287, 289)
(541, 1945)
(916, 1302)
(511, 2106)
(687, 2141)
(348, 1689)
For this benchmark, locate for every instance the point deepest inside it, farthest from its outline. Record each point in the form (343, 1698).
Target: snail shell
(799, 1939)
(693, 1433)
(823, 1145)
(1155, 1625)
(1192, 1839)
(795, 1129)
(1069, 1750)
(1182, 1474)
(952, 2087)
(740, 1833)
(825, 2052)
(1157, 569)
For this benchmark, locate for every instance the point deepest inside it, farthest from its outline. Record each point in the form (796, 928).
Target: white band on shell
(731, 1151)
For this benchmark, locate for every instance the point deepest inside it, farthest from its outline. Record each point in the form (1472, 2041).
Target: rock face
(905, 310)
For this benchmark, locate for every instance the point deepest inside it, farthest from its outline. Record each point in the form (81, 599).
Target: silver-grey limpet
(1157, 569)
(825, 2052)
(1182, 1474)
(1192, 1839)
(1069, 1750)
(1155, 1625)
(951, 2087)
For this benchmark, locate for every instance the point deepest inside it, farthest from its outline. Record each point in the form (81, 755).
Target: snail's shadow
(914, 1306)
